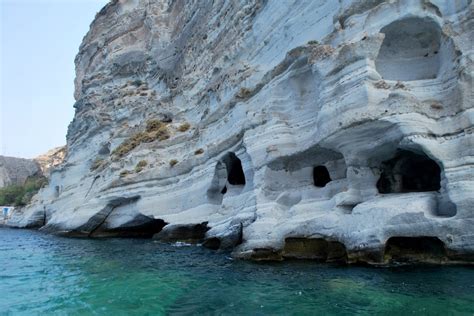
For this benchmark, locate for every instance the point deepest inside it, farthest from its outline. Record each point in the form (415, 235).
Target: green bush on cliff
(20, 195)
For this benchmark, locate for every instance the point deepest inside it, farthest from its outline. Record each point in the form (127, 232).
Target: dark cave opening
(235, 173)
(409, 172)
(229, 176)
(414, 249)
(321, 176)
(318, 249)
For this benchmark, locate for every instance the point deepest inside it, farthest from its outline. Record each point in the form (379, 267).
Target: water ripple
(43, 274)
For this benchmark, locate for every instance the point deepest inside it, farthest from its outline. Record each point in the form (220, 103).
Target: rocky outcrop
(51, 159)
(330, 130)
(15, 171)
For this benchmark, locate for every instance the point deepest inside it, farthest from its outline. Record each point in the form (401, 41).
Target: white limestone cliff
(331, 130)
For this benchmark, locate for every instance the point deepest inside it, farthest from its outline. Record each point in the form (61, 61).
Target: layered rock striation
(328, 130)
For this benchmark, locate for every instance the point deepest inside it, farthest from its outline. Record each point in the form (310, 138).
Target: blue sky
(38, 42)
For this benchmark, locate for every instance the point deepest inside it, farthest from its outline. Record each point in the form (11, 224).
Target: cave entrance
(410, 50)
(318, 249)
(228, 176)
(409, 172)
(321, 176)
(415, 249)
(235, 173)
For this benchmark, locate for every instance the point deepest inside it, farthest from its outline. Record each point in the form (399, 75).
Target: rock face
(51, 159)
(15, 171)
(328, 130)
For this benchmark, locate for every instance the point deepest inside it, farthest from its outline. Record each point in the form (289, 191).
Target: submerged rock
(329, 135)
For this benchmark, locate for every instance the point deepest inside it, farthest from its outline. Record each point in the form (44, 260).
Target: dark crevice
(235, 173)
(44, 217)
(321, 176)
(102, 216)
(57, 191)
(90, 188)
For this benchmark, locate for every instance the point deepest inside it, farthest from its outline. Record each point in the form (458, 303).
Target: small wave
(182, 244)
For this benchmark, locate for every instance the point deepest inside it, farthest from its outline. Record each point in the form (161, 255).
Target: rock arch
(410, 50)
(228, 175)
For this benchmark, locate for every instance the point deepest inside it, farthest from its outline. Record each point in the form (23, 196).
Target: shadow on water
(47, 274)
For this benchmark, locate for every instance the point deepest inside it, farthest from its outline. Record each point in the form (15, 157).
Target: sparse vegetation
(400, 85)
(382, 84)
(244, 93)
(199, 151)
(184, 127)
(20, 195)
(319, 52)
(153, 125)
(124, 173)
(99, 162)
(173, 162)
(140, 166)
(155, 130)
(128, 145)
(436, 106)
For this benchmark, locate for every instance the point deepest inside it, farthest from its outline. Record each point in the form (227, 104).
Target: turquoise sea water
(43, 274)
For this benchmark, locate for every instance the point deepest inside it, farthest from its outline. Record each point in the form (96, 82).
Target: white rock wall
(358, 87)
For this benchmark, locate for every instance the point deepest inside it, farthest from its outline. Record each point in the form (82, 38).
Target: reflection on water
(45, 274)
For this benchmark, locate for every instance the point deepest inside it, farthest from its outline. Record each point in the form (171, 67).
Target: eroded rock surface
(313, 129)
(51, 159)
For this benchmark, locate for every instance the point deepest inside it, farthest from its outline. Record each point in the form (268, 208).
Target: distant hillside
(15, 171)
